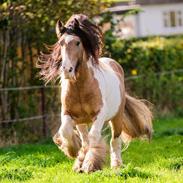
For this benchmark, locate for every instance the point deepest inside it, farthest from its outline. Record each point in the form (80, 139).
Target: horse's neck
(84, 77)
(72, 91)
(84, 74)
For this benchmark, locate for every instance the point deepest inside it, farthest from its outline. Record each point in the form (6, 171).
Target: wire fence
(42, 87)
(29, 87)
(29, 118)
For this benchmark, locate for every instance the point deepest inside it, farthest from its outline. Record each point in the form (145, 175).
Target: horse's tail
(137, 121)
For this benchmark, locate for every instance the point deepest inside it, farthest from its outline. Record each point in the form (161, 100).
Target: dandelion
(134, 72)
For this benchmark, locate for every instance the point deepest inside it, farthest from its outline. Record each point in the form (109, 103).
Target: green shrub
(155, 68)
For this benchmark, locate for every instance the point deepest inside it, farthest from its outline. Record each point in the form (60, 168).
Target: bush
(157, 64)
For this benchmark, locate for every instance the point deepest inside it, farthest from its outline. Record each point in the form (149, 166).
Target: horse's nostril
(70, 70)
(63, 67)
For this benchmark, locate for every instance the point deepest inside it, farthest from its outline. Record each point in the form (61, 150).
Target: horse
(92, 94)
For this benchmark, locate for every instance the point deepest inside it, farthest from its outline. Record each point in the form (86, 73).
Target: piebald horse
(92, 92)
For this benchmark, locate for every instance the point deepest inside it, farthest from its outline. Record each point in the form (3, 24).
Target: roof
(147, 2)
(127, 5)
(151, 2)
(122, 8)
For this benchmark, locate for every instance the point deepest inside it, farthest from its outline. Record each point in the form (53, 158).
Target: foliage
(24, 26)
(160, 160)
(157, 65)
(153, 54)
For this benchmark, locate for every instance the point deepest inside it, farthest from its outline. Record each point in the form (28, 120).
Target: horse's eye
(77, 43)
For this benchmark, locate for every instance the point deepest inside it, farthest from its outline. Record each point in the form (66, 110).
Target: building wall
(151, 20)
(125, 27)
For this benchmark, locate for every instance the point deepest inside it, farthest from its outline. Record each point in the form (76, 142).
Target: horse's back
(112, 64)
(110, 77)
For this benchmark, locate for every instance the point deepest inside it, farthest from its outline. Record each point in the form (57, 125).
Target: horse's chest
(83, 106)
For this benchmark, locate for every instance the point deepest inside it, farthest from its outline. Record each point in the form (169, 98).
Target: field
(161, 160)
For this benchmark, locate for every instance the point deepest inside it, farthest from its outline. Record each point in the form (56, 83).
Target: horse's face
(71, 54)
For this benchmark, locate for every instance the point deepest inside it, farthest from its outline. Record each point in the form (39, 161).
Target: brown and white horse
(92, 92)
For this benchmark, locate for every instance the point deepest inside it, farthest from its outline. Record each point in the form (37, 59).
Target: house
(156, 17)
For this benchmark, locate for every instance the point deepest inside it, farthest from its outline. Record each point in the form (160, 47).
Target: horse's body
(93, 92)
(83, 100)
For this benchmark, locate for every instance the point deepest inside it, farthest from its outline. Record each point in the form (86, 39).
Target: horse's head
(78, 41)
(72, 49)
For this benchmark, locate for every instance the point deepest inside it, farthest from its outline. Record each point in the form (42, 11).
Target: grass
(161, 160)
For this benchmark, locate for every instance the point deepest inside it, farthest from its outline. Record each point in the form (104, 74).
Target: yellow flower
(134, 72)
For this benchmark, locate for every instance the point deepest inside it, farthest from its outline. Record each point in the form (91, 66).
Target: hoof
(93, 160)
(94, 157)
(77, 167)
(115, 164)
(89, 167)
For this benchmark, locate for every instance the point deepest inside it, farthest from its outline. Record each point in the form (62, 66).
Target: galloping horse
(92, 92)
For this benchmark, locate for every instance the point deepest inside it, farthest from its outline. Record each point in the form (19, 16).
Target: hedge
(157, 64)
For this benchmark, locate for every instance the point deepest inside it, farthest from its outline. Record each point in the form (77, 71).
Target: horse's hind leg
(83, 132)
(115, 143)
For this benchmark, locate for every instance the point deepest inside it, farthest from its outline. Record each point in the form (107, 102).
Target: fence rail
(29, 118)
(29, 87)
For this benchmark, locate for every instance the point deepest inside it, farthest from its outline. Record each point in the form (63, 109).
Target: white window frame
(171, 22)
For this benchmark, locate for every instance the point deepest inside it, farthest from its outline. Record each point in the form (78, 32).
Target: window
(173, 19)
(166, 22)
(180, 18)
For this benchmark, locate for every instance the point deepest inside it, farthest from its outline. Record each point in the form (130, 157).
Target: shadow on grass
(176, 164)
(169, 132)
(130, 171)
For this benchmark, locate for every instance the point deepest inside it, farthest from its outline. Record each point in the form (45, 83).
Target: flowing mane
(90, 36)
(50, 63)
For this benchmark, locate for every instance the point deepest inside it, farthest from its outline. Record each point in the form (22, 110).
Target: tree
(24, 26)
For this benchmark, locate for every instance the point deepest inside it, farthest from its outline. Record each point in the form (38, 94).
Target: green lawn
(161, 160)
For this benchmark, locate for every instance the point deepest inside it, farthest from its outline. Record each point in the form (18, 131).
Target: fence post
(44, 126)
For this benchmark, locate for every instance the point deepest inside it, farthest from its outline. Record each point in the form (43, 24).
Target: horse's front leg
(83, 132)
(96, 153)
(67, 138)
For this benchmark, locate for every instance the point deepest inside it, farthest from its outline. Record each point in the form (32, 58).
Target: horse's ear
(59, 28)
